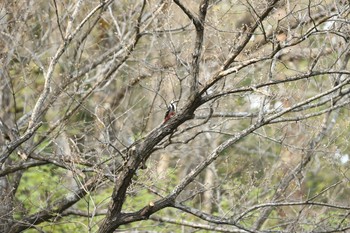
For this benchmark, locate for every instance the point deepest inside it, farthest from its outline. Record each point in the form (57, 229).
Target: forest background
(259, 143)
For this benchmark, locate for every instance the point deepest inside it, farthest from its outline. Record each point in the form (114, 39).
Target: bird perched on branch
(171, 111)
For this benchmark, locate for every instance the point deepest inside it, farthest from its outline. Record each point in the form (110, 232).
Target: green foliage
(39, 188)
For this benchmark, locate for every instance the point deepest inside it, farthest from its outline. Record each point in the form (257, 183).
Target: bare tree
(258, 142)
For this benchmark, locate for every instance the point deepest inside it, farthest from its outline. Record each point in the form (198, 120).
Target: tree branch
(62, 48)
(196, 225)
(14, 144)
(58, 207)
(327, 125)
(197, 52)
(208, 217)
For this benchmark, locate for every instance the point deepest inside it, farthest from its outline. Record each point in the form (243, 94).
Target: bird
(171, 111)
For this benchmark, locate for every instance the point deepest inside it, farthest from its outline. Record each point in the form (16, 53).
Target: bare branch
(209, 218)
(14, 144)
(57, 208)
(62, 48)
(301, 203)
(196, 225)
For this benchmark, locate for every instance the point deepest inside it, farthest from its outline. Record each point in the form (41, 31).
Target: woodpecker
(171, 111)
